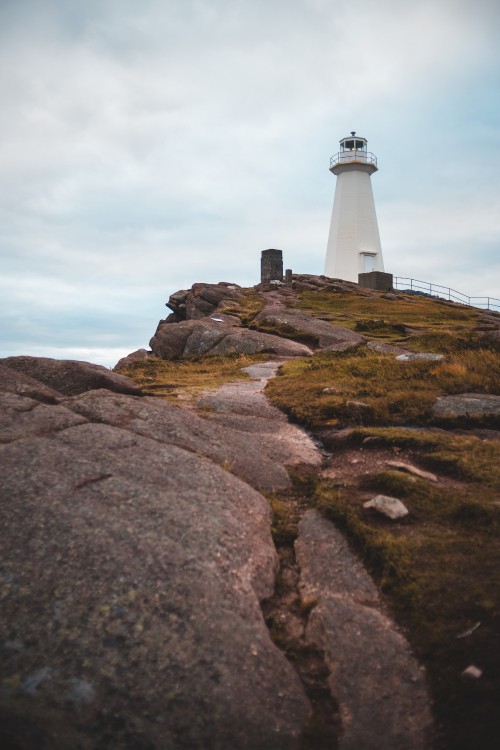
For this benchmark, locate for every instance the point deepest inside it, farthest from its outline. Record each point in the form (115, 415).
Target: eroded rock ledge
(132, 569)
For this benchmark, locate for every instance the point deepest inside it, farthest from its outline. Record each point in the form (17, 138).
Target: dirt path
(365, 687)
(242, 405)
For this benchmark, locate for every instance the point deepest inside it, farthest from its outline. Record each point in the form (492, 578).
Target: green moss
(285, 520)
(386, 556)
(465, 457)
(438, 569)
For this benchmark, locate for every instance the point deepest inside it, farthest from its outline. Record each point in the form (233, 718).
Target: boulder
(491, 336)
(245, 341)
(131, 575)
(169, 340)
(420, 356)
(70, 376)
(202, 299)
(207, 336)
(467, 405)
(326, 334)
(138, 356)
(177, 303)
(388, 506)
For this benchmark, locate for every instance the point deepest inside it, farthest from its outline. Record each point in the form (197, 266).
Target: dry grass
(187, 378)
(439, 571)
(376, 316)
(317, 391)
(246, 308)
(438, 568)
(465, 457)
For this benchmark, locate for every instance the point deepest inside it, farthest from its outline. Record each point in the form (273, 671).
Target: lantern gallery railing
(354, 155)
(444, 292)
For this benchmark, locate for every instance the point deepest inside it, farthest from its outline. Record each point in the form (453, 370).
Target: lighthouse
(354, 241)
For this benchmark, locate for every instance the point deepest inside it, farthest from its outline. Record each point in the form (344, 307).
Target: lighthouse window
(351, 145)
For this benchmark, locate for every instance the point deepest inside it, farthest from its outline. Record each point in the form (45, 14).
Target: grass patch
(450, 342)
(385, 555)
(317, 391)
(247, 307)
(438, 567)
(189, 377)
(286, 517)
(439, 572)
(380, 329)
(352, 310)
(464, 457)
(289, 505)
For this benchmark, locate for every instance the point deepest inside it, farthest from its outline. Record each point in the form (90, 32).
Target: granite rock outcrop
(70, 377)
(133, 564)
(207, 336)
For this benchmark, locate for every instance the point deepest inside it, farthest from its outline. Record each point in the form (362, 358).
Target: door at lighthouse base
(368, 262)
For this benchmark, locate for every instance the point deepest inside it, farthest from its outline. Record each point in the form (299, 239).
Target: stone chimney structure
(271, 266)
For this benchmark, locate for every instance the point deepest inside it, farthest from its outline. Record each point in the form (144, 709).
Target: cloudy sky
(148, 145)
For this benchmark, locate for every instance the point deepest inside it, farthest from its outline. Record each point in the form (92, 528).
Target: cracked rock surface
(190, 338)
(136, 554)
(377, 682)
(328, 336)
(131, 574)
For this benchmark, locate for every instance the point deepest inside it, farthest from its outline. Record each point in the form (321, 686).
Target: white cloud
(147, 146)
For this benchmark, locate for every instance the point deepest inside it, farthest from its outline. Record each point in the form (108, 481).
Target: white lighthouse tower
(354, 241)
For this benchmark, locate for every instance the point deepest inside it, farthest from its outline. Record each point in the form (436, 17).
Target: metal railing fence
(356, 155)
(403, 283)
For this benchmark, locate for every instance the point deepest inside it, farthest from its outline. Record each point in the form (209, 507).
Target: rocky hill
(183, 566)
